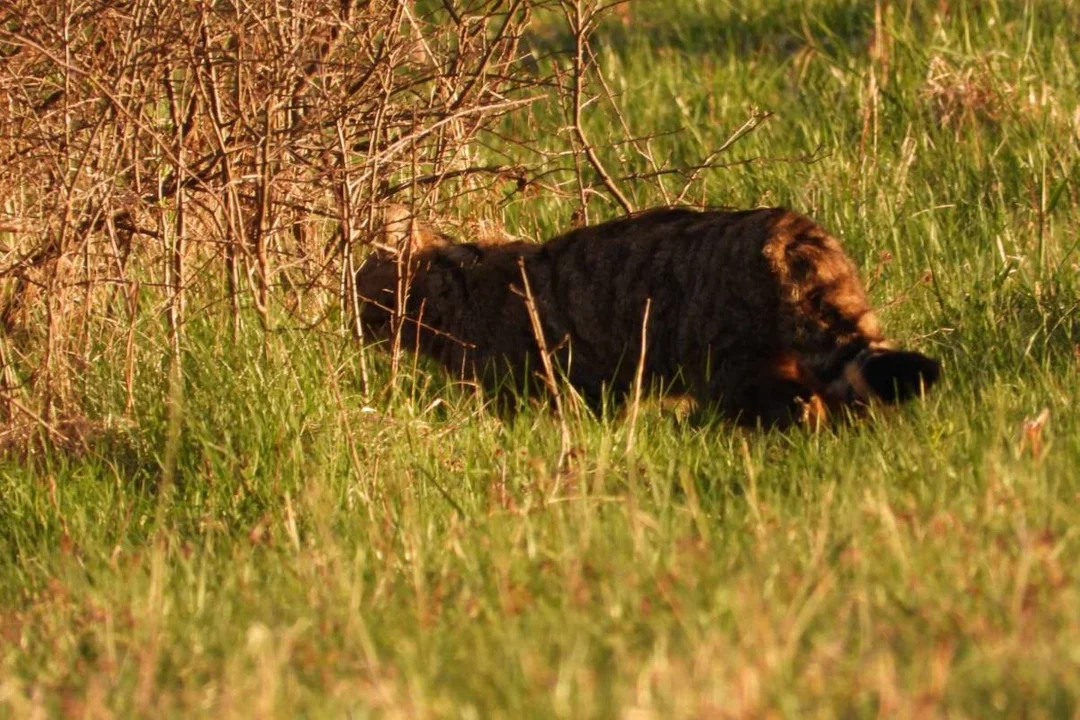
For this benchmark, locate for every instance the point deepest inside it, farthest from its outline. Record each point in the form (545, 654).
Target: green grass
(323, 552)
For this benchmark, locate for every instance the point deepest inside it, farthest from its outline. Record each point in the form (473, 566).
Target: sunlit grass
(404, 551)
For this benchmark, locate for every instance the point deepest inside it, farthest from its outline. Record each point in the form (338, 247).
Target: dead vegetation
(959, 96)
(192, 158)
(156, 152)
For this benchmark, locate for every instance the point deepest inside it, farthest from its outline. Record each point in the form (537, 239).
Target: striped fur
(757, 313)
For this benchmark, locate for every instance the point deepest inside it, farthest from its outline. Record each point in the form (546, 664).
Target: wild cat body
(756, 313)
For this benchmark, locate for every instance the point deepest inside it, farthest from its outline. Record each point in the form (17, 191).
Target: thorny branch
(237, 139)
(204, 157)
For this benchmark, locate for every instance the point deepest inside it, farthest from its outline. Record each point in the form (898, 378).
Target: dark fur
(757, 313)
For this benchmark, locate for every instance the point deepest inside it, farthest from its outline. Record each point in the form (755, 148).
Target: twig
(545, 361)
(579, 25)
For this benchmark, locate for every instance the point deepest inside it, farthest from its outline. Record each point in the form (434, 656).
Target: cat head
(881, 374)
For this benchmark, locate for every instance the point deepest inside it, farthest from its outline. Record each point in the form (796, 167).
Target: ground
(326, 549)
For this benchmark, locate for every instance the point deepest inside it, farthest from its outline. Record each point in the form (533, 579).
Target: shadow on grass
(837, 28)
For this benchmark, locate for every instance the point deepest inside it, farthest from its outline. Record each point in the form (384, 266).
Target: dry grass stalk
(639, 374)
(545, 358)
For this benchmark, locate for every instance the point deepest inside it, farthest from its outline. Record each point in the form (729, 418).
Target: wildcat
(758, 314)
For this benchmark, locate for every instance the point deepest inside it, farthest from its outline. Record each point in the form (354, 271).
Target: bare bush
(150, 149)
(228, 157)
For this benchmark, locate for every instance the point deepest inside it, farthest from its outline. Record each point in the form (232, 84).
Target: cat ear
(401, 229)
(895, 376)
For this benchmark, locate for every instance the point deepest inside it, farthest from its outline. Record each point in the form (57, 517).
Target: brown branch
(579, 23)
(515, 171)
(545, 361)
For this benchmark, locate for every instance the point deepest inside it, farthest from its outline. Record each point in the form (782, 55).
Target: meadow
(322, 534)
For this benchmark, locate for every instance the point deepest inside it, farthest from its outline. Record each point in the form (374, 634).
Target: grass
(326, 552)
